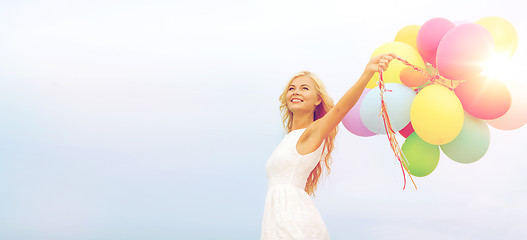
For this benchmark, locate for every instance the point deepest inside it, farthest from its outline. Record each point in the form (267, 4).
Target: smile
(296, 100)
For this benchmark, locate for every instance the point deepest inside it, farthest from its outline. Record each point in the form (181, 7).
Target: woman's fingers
(384, 61)
(383, 64)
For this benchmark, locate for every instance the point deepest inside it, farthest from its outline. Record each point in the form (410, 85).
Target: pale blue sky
(154, 120)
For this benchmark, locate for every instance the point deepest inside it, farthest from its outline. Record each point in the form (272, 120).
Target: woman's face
(302, 95)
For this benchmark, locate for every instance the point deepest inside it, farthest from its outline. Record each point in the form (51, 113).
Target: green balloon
(421, 157)
(471, 143)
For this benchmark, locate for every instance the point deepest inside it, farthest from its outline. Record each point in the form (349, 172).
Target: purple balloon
(353, 122)
(464, 51)
(429, 36)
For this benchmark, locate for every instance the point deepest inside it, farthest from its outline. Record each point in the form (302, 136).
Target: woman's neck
(301, 121)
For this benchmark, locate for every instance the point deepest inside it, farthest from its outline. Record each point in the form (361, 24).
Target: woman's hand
(378, 62)
(321, 128)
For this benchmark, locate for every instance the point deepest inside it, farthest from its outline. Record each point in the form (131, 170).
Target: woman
(295, 166)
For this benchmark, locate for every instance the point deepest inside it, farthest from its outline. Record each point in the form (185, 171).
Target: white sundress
(289, 211)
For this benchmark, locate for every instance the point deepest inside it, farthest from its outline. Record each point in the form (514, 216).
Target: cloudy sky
(154, 120)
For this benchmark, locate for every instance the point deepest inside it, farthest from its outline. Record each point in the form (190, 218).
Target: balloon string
(390, 133)
(433, 79)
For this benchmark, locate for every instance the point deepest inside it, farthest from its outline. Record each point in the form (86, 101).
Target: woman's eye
(305, 88)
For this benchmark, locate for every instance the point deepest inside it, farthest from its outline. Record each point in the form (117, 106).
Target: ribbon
(391, 134)
(433, 79)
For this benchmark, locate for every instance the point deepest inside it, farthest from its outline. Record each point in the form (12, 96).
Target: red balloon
(429, 36)
(464, 51)
(406, 131)
(484, 97)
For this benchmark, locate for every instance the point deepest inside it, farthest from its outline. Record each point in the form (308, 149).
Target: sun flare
(501, 67)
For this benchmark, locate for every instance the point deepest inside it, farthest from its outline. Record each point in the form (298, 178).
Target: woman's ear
(318, 102)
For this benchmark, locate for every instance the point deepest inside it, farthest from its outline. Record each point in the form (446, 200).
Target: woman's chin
(299, 108)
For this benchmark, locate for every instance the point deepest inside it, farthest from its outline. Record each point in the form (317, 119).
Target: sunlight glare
(501, 67)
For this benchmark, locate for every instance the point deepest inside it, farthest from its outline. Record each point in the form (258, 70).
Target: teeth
(296, 100)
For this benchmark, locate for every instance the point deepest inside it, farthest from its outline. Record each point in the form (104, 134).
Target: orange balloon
(412, 78)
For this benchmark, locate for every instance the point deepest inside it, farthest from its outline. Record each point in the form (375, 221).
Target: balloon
(484, 97)
(412, 78)
(403, 50)
(406, 131)
(429, 37)
(436, 114)
(503, 33)
(398, 102)
(463, 51)
(516, 116)
(408, 35)
(471, 143)
(421, 157)
(352, 120)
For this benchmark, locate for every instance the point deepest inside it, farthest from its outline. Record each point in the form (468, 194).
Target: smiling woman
(293, 171)
(305, 91)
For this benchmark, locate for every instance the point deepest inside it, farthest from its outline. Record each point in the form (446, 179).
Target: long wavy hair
(320, 111)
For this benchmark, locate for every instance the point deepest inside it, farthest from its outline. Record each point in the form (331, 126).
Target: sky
(155, 119)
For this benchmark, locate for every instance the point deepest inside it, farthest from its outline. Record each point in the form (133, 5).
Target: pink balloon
(516, 117)
(406, 131)
(464, 51)
(429, 36)
(484, 97)
(353, 122)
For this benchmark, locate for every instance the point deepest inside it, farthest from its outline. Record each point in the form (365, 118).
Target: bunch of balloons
(443, 100)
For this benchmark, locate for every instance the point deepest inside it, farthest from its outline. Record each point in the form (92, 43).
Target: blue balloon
(398, 100)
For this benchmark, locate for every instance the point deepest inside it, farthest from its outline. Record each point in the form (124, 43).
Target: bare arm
(320, 129)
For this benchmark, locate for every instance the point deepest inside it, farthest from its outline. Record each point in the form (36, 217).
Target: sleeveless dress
(289, 212)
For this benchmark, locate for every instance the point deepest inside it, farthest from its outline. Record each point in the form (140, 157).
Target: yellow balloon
(403, 50)
(437, 114)
(408, 35)
(504, 34)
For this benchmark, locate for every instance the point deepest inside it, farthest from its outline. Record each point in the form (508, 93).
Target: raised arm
(321, 128)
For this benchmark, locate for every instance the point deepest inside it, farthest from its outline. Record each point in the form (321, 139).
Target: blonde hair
(320, 111)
